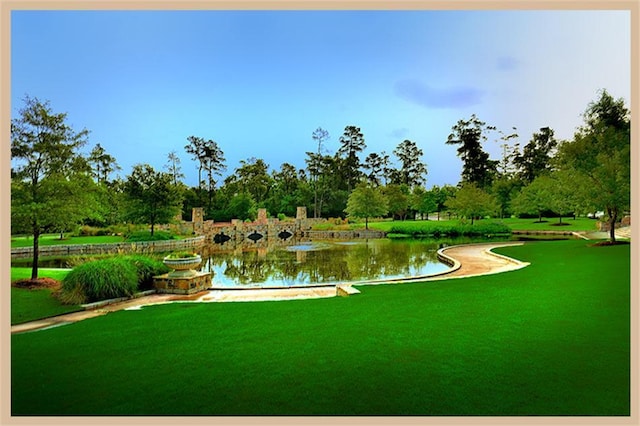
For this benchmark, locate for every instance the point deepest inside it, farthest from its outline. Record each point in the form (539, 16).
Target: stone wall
(342, 235)
(255, 233)
(182, 285)
(109, 248)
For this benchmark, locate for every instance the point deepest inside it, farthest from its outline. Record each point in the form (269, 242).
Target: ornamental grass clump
(146, 268)
(99, 280)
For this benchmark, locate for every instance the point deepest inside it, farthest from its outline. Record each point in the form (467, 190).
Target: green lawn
(23, 273)
(29, 305)
(54, 239)
(548, 224)
(549, 339)
(551, 224)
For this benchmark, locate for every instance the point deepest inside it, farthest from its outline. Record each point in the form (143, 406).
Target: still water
(293, 263)
(321, 262)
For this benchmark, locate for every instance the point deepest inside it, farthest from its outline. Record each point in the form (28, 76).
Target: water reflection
(309, 262)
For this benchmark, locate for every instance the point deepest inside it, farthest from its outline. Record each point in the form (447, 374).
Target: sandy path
(474, 259)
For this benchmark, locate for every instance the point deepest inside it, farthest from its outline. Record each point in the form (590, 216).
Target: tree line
(54, 187)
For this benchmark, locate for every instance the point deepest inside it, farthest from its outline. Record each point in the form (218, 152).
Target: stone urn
(182, 265)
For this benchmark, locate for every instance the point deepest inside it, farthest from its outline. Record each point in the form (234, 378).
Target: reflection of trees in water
(363, 260)
(390, 258)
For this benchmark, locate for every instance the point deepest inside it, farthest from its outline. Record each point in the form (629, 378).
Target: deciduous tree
(366, 201)
(151, 196)
(535, 198)
(45, 158)
(599, 157)
(471, 202)
(397, 200)
(422, 201)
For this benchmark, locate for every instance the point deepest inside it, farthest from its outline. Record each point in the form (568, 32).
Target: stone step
(346, 290)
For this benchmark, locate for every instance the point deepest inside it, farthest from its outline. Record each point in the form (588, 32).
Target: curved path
(469, 260)
(478, 259)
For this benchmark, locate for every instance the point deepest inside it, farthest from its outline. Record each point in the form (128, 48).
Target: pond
(297, 262)
(322, 262)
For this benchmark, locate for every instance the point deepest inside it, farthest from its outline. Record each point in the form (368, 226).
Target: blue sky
(260, 82)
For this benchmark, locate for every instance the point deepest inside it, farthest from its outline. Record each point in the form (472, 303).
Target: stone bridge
(263, 230)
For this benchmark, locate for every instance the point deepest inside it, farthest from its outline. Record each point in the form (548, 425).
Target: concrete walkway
(468, 260)
(478, 259)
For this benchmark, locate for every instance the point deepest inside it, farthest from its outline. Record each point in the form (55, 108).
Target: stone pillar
(301, 220)
(301, 213)
(197, 218)
(262, 217)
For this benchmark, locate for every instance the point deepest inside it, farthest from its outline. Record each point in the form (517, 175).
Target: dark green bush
(435, 229)
(99, 280)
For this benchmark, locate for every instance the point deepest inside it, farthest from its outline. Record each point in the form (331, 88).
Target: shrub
(435, 229)
(119, 229)
(87, 231)
(146, 269)
(99, 280)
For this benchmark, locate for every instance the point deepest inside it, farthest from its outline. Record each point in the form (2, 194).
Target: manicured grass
(23, 273)
(549, 339)
(437, 229)
(579, 224)
(30, 305)
(54, 239)
(551, 224)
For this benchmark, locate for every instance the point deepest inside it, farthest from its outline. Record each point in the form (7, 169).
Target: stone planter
(182, 267)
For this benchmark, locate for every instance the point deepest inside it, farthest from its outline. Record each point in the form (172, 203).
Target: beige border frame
(6, 6)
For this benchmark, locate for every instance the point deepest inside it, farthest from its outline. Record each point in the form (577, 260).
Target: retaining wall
(109, 248)
(343, 235)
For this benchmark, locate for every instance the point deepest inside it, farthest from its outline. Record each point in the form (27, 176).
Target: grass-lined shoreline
(548, 224)
(549, 339)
